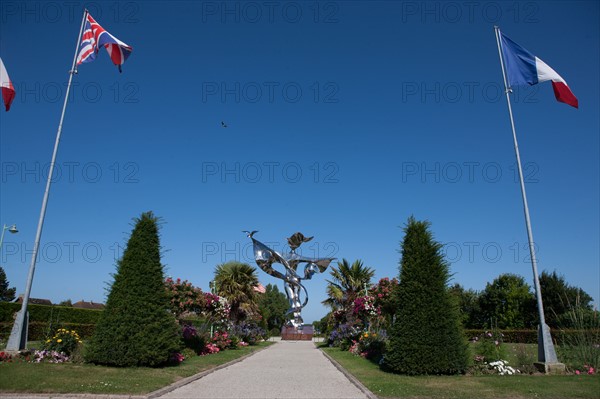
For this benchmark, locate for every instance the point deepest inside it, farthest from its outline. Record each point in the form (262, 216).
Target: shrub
(64, 341)
(343, 335)
(490, 346)
(194, 339)
(136, 328)
(50, 313)
(427, 336)
(248, 332)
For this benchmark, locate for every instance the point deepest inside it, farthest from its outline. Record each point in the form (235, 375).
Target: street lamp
(13, 229)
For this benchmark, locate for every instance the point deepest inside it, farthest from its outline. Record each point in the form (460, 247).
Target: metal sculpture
(265, 257)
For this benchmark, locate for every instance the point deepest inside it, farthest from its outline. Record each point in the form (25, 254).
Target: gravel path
(288, 369)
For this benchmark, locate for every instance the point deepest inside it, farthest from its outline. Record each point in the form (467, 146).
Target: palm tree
(347, 283)
(236, 281)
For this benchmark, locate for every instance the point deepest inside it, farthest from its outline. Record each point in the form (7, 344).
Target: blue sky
(344, 119)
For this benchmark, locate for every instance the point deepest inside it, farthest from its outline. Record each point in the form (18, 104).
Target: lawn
(87, 378)
(486, 386)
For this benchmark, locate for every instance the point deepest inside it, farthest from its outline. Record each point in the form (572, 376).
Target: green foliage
(6, 293)
(273, 305)
(236, 281)
(64, 341)
(468, 305)
(136, 328)
(490, 346)
(427, 337)
(54, 313)
(559, 298)
(347, 283)
(508, 303)
(581, 350)
(38, 331)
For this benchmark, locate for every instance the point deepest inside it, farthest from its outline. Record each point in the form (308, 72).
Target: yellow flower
(59, 340)
(366, 335)
(48, 340)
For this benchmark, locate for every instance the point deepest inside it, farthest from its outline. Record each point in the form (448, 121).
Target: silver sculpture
(265, 257)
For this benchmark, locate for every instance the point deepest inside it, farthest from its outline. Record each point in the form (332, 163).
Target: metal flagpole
(18, 335)
(546, 352)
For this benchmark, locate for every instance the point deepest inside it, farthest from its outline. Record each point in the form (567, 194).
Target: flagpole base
(550, 368)
(18, 336)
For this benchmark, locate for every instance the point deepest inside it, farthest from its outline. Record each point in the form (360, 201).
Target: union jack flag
(94, 37)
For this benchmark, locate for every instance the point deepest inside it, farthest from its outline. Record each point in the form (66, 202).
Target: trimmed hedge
(50, 313)
(531, 336)
(39, 331)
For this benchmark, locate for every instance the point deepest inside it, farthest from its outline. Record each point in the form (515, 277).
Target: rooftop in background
(34, 301)
(88, 305)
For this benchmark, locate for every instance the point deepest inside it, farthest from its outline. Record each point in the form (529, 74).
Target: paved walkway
(287, 369)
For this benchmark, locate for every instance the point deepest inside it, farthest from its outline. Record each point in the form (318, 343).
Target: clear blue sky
(344, 118)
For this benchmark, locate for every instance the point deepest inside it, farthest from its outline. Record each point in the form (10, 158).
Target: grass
(87, 378)
(486, 386)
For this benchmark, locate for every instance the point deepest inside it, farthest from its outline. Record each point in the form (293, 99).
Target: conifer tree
(136, 328)
(426, 337)
(6, 294)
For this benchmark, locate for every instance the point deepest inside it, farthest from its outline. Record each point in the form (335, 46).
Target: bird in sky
(223, 124)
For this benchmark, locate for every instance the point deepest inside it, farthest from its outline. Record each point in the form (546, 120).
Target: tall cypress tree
(427, 336)
(136, 328)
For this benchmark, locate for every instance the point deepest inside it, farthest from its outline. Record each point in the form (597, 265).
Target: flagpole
(18, 335)
(546, 352)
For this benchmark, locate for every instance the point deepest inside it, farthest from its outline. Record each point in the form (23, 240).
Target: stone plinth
(304, 333)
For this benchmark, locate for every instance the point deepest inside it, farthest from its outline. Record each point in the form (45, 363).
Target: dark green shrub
(136, 328)
(53, 313)
(427, 336)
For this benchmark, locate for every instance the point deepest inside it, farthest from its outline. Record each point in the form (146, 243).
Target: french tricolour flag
(8, 90)
(94, 37)
(522, 68)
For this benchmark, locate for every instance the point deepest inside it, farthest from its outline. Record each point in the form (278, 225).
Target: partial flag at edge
(95, 36)
(522, 67)
(8, 90)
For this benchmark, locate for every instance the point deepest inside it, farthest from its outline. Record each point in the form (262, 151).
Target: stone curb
(151, 395)
(66, 396)
(352, 378)
(187, 380)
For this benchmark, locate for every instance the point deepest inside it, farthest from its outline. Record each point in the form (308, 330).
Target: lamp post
(211, 285)
(12, 229)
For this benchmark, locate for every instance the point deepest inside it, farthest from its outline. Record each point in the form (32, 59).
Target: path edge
(192, 378)
(352, 378)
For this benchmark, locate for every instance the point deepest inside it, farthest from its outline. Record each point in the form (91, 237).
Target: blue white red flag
(8, 90)
(94, 36)
(522, 68)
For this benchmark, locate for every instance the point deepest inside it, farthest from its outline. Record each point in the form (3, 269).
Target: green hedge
(39, 331)
(531, 336)
(50, 313)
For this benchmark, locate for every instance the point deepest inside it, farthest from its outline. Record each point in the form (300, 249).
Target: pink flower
(591, 370)
(577, 372)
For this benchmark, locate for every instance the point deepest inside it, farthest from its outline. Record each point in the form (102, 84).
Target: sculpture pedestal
(304, 333)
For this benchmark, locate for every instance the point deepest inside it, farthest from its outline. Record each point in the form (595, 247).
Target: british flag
(94, 37)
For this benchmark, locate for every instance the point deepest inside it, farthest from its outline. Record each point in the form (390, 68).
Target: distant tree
(468, 305)
(236, 281)
(427, 336)
(6, 294)
(559, 297)
(324, 325)
(66, 303)
(136, 327)
(508, 303)
(273, 305)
